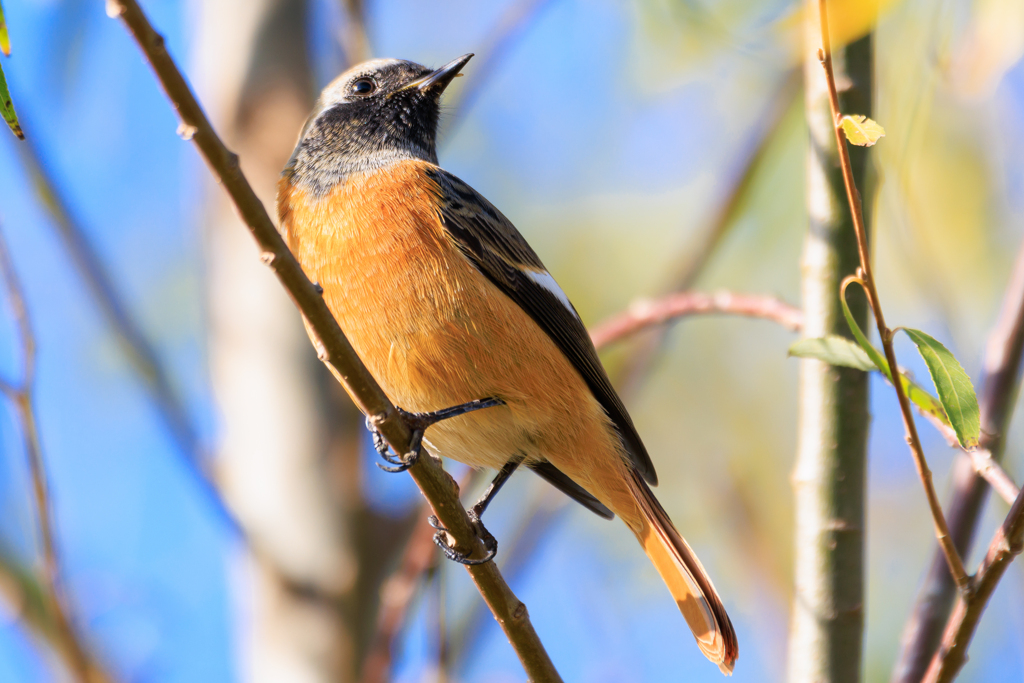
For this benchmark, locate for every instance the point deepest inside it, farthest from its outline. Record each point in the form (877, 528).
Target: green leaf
(953, 386)
(5, 40)
(917, 394)
(874, 354)
(7, 107)
(834, 350)
(920, 397)
(861, 130)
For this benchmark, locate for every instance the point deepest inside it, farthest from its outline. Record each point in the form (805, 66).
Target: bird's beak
(440, 78)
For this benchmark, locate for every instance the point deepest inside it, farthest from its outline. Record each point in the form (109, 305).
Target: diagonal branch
(999, 387)
(1005, 546)
(867, 280)
(686, 273)
(77, 657)
(141, 354)
(645, 313)
(334, 349)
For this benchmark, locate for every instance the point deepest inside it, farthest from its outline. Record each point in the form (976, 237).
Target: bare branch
(867, 281)
(334, 349)
(1000, 383)
(644, 313)
(1005, 546)
(396, 596)
(993, 473)
(685, 274)
(139, 351)
(66, 641)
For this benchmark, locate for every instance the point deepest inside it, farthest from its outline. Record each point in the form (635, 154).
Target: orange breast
(436, 333)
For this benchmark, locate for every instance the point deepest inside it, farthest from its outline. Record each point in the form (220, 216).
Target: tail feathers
(686, 580)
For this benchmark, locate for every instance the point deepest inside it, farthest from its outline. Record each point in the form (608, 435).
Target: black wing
(497, 249)
(563, 483)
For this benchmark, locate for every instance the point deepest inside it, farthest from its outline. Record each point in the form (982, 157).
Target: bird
(448, 306)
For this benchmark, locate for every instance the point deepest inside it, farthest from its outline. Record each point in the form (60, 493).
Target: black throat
(356, 137)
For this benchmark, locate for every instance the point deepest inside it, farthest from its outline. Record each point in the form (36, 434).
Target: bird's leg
(475, 514)
(418, 423)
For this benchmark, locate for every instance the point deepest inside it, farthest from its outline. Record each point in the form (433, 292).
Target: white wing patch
(544, 279)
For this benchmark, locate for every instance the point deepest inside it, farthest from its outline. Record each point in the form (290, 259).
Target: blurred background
(640, 146)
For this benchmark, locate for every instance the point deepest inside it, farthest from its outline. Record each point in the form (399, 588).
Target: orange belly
(436, 333)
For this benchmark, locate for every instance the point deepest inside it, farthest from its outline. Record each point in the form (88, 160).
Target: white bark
(274, 438)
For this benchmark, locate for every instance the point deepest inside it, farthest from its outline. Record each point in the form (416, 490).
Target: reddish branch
(1006, 545)
(999, 386)
(396, 596)
(646, 313)
(867, 281)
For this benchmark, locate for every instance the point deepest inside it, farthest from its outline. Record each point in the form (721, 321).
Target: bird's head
(374, 114)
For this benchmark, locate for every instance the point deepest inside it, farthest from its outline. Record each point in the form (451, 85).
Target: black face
(373, 115)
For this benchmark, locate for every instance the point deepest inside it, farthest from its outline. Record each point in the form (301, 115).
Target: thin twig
(979, 462)
(546, 507)
(1005, 546)
(992, 472)
(140, 352)
(21, 395)
(999, 387)
(685, 274)
(867, 280)
(396, 596)
(334, 349)
(645, 313)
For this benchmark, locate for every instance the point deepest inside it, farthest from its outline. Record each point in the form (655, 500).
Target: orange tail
(686, 579)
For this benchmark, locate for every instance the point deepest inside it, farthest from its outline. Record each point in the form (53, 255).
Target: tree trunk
(254, 75)
(829, 478)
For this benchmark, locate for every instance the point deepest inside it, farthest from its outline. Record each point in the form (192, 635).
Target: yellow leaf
(5, 41)
(861, 130)
(848, 20)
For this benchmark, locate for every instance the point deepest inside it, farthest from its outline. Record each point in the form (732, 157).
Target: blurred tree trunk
(289, 456)
(829, 478)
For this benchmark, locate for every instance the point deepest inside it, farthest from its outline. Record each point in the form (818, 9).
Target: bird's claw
(398, 463)
(419, 422)
(490, 543)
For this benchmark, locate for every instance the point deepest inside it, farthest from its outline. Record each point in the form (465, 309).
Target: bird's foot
(490, 543)
(419, 422)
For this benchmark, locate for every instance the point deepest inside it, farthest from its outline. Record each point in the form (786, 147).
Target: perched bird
(446, 303)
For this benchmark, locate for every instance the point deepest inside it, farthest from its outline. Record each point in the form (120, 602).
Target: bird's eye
(364, 86)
